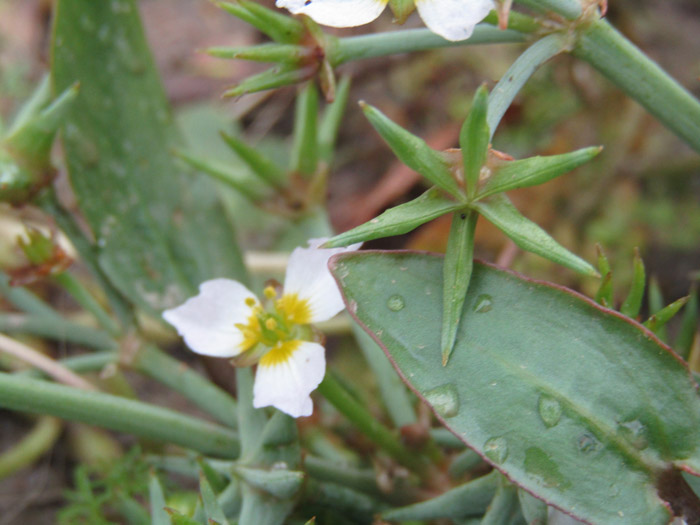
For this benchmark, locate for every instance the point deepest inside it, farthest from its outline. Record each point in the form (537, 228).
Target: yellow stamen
(252, 331)
(295, 309)
(280, 353)
(269, 292)
(249, 301)
(270, 323)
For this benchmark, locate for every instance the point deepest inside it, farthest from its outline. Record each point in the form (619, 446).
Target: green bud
(37, 247)
(401, 9)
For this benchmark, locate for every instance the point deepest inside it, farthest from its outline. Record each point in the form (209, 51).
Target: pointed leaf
(474, 140)
(604, 296)
(631, 306)
(285, 53)
(212, 509)
(564, 397)
(331, 120)
(528, 235)
(399, 219)
(159, 516)
(215, 479)
(459, 261)
(261, 166)
(304, 157)
(414, 152)
(689, 326)
(505, 508)
(534, 171)
(278, 27)
(657, 321)
(656, 304)
(534, 510)
(280, 483)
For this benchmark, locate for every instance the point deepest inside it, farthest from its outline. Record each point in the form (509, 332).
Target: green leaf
(414, 152)
(534, 171)
(656, 304)
(505, 508)
(459, 261)
(331, 120)
(470, 499)
(534, 510)
(277, 26)
(147, 215)
(275, 77)
(212, 509)
(260, 165)
(528, 235)
(474, 140)
(657, 321)
(604, 296)
(689, 326)
(280, 483)
(285, 53)
(633, 303)
(566, 398)
(399, 219)
(304, 156)
(215, 479)
(159, 516)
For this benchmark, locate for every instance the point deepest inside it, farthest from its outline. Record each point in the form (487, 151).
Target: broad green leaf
(474, 140)
(457, 270)
(304, 156)
(470, 499)
(414, 152)
(528, 235)
(633, 303)
(399, 219)
(576, 404)
(534, 171)
(158, 231)
(156, 499)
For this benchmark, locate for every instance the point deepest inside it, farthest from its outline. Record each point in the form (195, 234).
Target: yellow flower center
(280, 353)
(294, 309)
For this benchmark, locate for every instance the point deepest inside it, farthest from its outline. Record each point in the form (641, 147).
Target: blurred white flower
(227, 320)
(451, 19)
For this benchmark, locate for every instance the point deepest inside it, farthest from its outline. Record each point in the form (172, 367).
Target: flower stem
(26, 300)
(58, 329)
(570, 9)
(602, 46)
(39, 440)
(116, 413)
(334, 392)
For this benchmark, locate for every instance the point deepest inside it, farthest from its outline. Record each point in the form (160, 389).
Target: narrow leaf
(331, 120)
(304, 156)
(282, 484)
(272, 78)
(470, 499)
(285, 53)
(414, 152)
(212, 509)
(534, 171)
(534, 510)
(215, 479)
(689, 326)
(656, 304)
(657, 321)
(474, 140)
(631, 306)
(505, 508)
(604, 296)
(459, 261)
(159, 515)
(399, 219)
(278, 27)
(261, 166)
(566, 444)
(528, 235)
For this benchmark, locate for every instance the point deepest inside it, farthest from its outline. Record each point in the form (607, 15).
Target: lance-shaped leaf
(534, 510)
(330, 122)
(474, 140)
(156, 499)
(212, 509)
(278, 27)
(534, 171)
(526, 234)
(260, 165)
(414, 152)
(272, 78)
(399, 219)
(459, 261)
(689, 326)
(304, 155)
(573, 402)
(505, 507)
(280, 483)
(633, 303)
(604, 295)
(657, 321)
(270, 52)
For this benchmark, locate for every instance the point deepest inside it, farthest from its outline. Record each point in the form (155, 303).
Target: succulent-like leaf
(331, 119)
(633, 303)
(689, 326)
(526, 234)
(284, 53)
(534, 171)
(474, 140)
(505, 507)
(413, 151)
(156, 499)
(304, 156)
(261, 166)
(212, 509)
(657, 321)
(566, 398)
(280, 28)
(604, 295)
(282, 484)
(399, 219)
(284, 75)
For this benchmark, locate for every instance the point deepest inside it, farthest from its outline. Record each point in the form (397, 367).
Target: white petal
(453, 19)
(286, 385)
(309, 277)
(336, 13)
(207, 321)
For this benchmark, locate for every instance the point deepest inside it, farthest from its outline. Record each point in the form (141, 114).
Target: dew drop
(484, 303)
(395, 303)
(587, 443)
(550, 410)
(444, 399)
(635, 432)
(496, 449)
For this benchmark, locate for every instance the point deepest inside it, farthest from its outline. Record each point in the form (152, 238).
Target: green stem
(116, 413)
(570, 9)
(518, 73)
(334, 392)
(364, 480)
(39, 440)
(602, 46)
(410, 40)
(25, 300)
(57, 329)
(156, 364)
(85, 299)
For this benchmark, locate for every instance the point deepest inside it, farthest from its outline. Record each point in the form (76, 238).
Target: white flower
(451, 19)
(227, 320)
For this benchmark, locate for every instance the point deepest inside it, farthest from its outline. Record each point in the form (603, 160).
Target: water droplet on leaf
(496, 449)
(587, 443)
(395, 303)
(634, 432)
(484, 303)
(444, 399)
(550, 410)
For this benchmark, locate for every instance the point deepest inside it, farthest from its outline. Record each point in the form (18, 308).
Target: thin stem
(156, 364)
(36, 443)
(85, 299)
(410, 40)
(520, 72)
(602, 46)
(570, 9)
(116, 413)
(58, 329)
(25, 300)
(334, 392)
(36, 359)
(364, 480)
